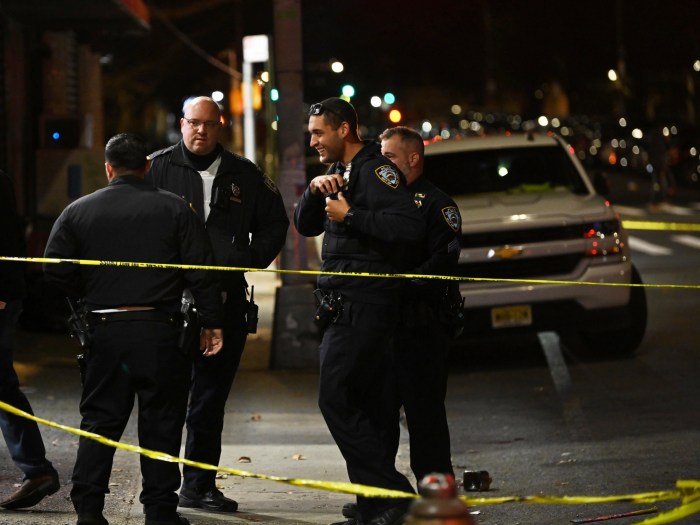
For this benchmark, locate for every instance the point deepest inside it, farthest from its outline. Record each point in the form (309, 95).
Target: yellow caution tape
(645, 497)
(333, 486)
(92, 262)
(661, 226)
(688, 490)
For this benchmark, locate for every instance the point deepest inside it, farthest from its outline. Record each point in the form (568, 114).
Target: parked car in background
(541, 248)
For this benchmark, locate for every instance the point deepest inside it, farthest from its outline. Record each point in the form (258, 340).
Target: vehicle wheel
(626, 340)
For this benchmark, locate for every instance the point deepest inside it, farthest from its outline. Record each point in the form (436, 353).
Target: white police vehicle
(534, 233)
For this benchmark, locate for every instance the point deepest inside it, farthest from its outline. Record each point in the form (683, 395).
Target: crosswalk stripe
(675, 210)
(630, 211)
(640, 245)
(665, 207)
(687, 240)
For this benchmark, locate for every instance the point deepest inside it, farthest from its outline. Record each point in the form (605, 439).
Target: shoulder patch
(452, 218)
(388, 175)
(270, 184)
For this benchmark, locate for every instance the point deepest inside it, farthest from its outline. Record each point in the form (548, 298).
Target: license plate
(509, 316)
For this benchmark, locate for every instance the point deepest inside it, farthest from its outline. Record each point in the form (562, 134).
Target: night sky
(407, 45)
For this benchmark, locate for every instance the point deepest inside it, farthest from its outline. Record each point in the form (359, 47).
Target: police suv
(538, 241)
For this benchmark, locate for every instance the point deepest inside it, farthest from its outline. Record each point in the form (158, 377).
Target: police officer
(135, 347)
(368, 216)
(22, 435)
(247, 223)
(429, 310)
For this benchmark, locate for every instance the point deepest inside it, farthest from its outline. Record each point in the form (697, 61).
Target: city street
(540, 420)
(240, 104)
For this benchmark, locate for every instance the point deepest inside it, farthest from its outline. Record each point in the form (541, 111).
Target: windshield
(512, 170)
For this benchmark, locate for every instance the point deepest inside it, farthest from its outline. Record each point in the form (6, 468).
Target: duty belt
(133, 315)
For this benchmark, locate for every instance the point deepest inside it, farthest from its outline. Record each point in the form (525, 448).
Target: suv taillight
(603, 238)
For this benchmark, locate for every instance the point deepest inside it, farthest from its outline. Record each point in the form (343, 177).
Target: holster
(329, 307)
(80, 329)
(190, 327)
(451, 311)
(251, 316)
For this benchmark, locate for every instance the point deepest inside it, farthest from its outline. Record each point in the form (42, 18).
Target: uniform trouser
(353, 374)
(418, 381)
(212, 378)
(132, 359)
(22, 435)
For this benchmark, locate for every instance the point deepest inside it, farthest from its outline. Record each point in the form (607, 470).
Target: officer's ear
(413, 159)
(109, 170)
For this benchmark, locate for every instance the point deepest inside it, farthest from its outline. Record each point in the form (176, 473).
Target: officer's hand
(337, 208)
(325, 184)
(211, 340)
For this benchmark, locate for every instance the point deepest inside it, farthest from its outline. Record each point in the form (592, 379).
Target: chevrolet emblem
(507, 252)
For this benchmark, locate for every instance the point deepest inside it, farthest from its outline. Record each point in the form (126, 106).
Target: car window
(508, 170)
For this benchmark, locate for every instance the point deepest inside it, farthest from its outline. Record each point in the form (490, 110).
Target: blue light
(274, 95)
(55, 135)
(389, 98)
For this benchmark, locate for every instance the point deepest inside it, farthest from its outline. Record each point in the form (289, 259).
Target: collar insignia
(270, 184)
(235, 193)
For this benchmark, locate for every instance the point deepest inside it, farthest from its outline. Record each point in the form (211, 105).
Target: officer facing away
(134, 312)
(247, 223)
(368, 218)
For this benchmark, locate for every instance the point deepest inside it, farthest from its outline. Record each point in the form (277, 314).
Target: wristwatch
(348, 216)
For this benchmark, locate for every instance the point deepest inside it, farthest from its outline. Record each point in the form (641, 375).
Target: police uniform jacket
(130, 220)
(438, 252)
(375, 237)
(247, 222)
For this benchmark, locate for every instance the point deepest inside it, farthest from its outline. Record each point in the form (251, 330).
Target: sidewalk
(273, 421)
(272, 427)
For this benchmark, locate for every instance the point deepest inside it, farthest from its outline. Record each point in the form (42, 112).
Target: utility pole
(235, 104)
(295, 337)
(290, 146)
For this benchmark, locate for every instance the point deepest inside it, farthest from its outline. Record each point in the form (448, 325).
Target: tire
(623, 341)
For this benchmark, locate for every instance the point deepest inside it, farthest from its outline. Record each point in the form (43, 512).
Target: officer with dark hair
(247, 223)
(368, 218)
(135, 314)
